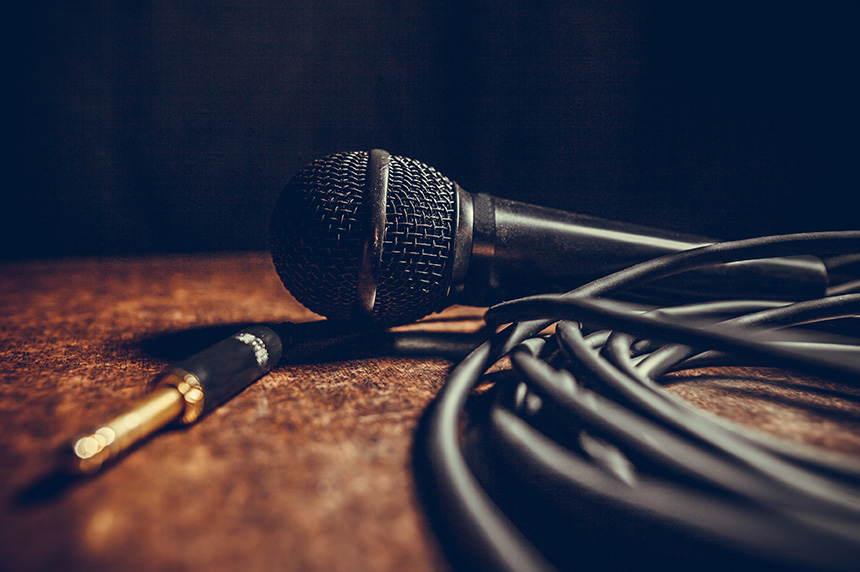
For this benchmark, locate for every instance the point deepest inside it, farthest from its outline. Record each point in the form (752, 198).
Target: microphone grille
(320, 221)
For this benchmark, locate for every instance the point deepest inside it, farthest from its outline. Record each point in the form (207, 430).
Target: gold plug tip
(87, 454)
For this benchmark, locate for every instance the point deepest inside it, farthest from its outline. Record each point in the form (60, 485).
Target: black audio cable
(577, 458)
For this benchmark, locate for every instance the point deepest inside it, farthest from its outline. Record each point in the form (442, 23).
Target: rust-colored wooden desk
(307, 469)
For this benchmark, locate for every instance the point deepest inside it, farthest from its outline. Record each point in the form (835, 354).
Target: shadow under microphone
(361, 235)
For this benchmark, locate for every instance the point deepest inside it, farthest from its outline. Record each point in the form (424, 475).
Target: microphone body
(507, 249)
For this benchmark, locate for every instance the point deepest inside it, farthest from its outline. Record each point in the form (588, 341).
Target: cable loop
(583, 459)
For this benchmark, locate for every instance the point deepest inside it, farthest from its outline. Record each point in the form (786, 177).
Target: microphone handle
(513, 249)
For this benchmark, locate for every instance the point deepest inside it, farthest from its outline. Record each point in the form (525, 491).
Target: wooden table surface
(307, 469)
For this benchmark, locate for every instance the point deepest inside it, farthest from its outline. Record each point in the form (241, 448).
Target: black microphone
(377, 237)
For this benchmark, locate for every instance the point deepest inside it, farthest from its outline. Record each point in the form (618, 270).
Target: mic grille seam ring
(375, 196)
(319, 225)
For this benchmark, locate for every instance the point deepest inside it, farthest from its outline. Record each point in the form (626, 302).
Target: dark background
(171, 126)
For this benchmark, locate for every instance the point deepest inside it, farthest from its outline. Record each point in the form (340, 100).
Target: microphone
(388, 239)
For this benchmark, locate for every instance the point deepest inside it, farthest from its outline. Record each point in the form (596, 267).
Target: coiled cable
(576, 457)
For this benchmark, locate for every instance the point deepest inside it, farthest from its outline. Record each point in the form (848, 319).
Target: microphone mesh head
(320, 222)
